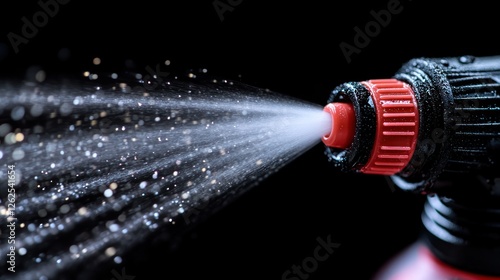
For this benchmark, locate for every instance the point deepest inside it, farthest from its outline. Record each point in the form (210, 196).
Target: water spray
(93, 169)
(433, 128)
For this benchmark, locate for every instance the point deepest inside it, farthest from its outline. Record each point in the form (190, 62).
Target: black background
(291, 48)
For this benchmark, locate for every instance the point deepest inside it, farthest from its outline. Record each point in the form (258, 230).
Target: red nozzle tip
(343, 124)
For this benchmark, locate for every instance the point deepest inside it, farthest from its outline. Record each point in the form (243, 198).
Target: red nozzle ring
(397, 126)
(396, 131)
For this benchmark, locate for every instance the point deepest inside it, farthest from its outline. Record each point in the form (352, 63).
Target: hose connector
(396, 121)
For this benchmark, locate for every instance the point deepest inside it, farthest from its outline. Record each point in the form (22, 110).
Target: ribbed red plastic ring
(397, 126)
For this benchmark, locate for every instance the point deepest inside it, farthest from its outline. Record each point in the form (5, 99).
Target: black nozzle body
(459, 122)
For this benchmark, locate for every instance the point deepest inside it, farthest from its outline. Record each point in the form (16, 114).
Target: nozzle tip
(342, 125)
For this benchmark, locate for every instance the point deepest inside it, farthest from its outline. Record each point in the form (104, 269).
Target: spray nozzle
(395, 130)
(435, 119)
(342, 125)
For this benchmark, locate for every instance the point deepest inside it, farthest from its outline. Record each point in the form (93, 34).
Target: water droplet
(19, 137)
(31, 227)
(114, 227)
(40, 76)
(466, 59)
(4, 129)
(96, 61)
(10, 138)
(42, 213)
(18, 154)
(36, 110)
(64, 209)
(77, 101)
(73, 249)
(82, 211)
(444, 62)
(65, 109)
(108, 193)
(17, 113)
